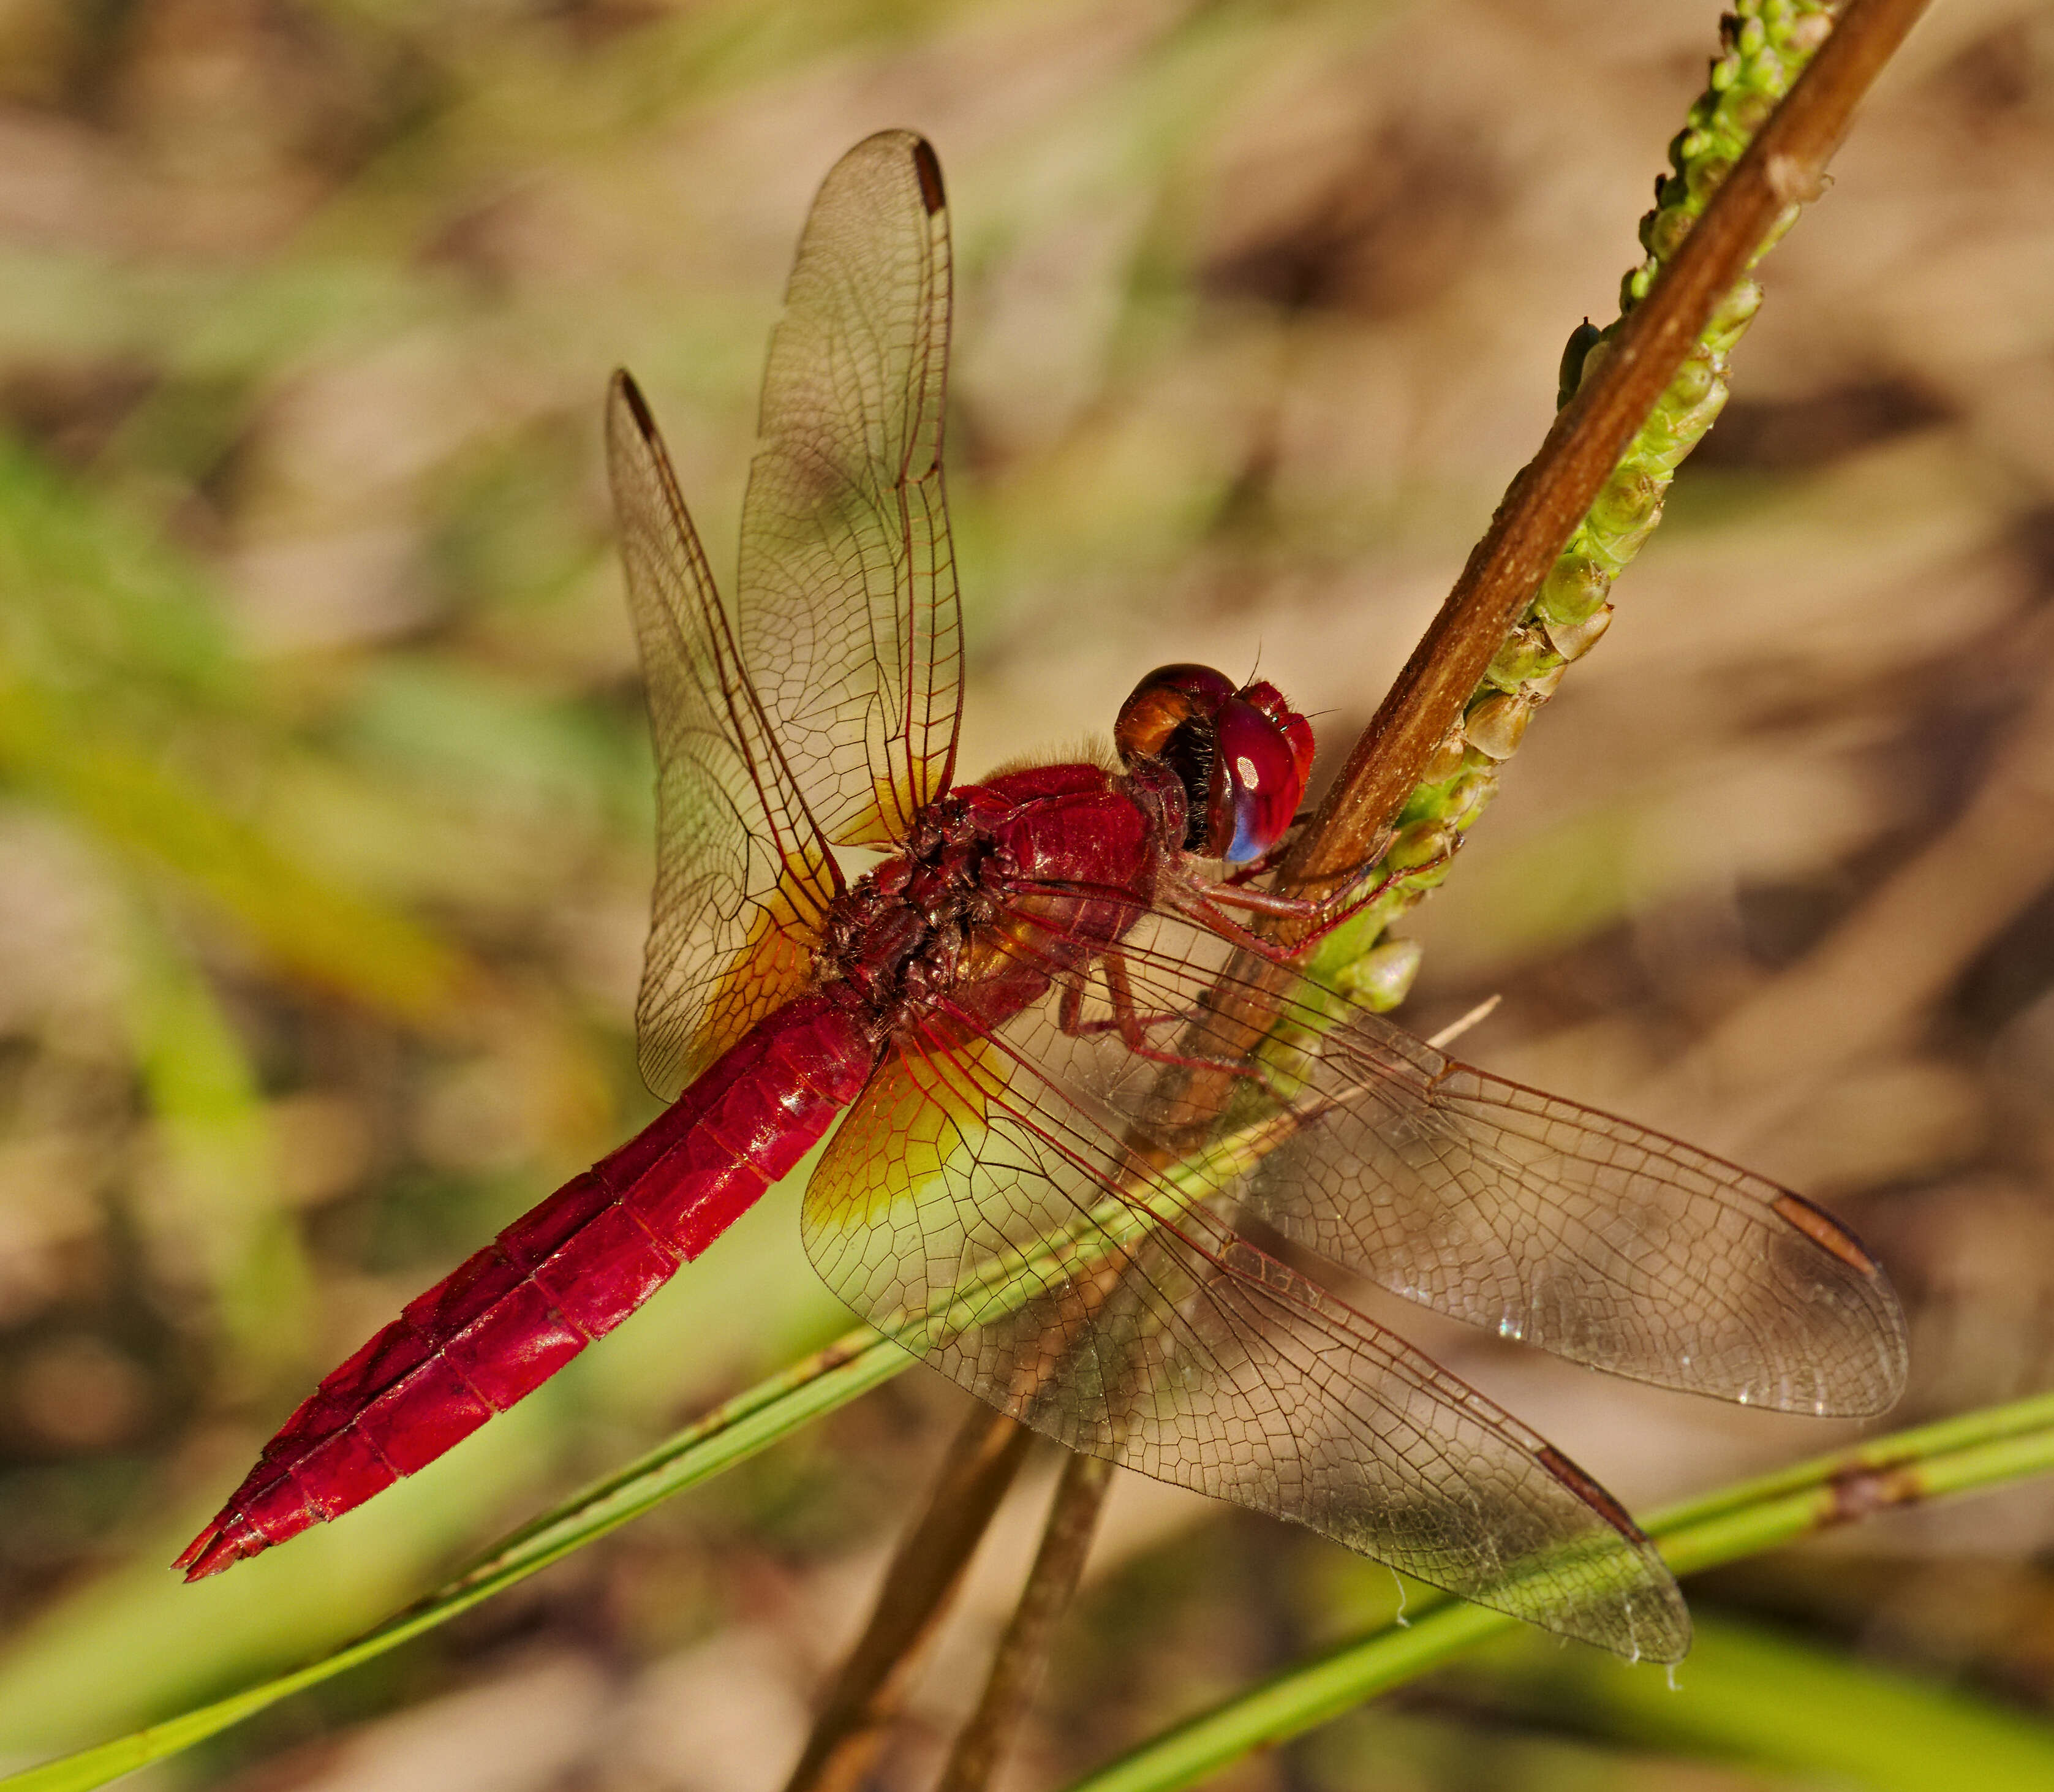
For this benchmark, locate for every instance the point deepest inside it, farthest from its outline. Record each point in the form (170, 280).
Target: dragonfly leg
(1129, 1022)
(1270, 861)
(1338, 908)
(1281, 851)
(1322, 914)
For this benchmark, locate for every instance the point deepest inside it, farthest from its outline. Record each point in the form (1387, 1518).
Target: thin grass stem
(1022, 1656)
(926, 1572)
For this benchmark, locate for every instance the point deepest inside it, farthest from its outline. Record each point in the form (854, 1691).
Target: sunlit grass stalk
(1764, 44)
(1979, 1450)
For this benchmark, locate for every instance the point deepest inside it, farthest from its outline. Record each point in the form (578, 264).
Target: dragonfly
(1102, 1146)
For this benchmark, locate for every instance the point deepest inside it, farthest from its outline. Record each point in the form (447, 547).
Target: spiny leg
(1323, 914)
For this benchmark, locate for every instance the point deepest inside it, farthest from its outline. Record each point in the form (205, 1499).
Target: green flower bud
(1693, 379)
(1495, 725)
(1747, 112)
(1423, 843)
(1704, 177)
(1806, 33)
(1576, 354)
(1525, 652)
(1574, 586)
(1382, 978)
(1573, 640)
(1628, 542)
(1470, 796)
(1662, 233)
(1630, 496)
(1447, 760)
(1737, 309)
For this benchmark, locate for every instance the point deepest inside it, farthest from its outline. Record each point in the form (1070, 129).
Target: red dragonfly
(1067, 1076)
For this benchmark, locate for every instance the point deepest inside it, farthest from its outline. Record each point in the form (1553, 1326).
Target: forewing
(743, 878)
(847, 609)
(980, 1207)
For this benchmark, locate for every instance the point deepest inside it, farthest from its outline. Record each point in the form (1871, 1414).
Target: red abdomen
(564, 1273)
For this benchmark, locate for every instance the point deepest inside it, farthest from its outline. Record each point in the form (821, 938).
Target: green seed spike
(1763, 46)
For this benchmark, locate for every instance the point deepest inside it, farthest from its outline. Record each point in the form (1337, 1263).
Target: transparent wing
(742, 876)
(1535, 1217)
(981, 1205)
(848, 610)
(1039, 1202)
(1576, 1231)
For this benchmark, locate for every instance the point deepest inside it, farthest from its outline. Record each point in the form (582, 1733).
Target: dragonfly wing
(1593, 1238)
(1533, 1216)
(848, 612)
(996, 1221)
(742, 876)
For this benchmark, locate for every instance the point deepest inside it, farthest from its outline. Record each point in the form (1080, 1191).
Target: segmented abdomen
(566, 1272)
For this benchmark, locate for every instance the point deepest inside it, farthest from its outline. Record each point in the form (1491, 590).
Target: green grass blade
(751, 1422)
(1957, 1455)
(1750, 1694)
(1978, 1450)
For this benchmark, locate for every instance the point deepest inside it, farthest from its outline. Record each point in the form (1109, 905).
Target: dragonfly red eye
(1257, 779)
(1293, 727)
(1242, 756)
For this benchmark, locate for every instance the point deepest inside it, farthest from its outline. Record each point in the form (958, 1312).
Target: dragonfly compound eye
(1171, 717)
(1166, 703)
(1258, 777)
(1289, 724)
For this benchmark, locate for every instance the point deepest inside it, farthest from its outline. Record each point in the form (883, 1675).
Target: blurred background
(324, 809)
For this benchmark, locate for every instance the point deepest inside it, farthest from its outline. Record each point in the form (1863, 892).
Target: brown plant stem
(1784, 166)
(1022, 1656)
(926, 1570)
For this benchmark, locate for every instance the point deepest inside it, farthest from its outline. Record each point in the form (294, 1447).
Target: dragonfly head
(1243, 755)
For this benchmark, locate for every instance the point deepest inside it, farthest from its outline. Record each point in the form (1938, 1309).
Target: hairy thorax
(1002, 887)
(899, 936)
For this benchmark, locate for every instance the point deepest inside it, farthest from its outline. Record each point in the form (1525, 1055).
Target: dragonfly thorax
(899, 934)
